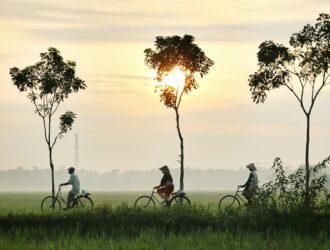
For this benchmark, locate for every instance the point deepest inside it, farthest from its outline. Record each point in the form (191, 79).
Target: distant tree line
(37, 179)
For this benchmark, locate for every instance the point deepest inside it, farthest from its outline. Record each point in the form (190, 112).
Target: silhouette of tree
(177, 52)
(303, 69)
(48, 83)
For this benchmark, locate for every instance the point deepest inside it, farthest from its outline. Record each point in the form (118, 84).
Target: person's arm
(68, 182)
(162, 183)
(247, 183)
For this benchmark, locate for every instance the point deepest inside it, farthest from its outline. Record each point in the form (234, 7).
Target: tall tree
(48, 83)
(180, 56)
(303, 69)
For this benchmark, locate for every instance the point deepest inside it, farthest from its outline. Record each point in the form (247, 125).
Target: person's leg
(168, 190)
(246, 193)
(70, 198)
(161, 192)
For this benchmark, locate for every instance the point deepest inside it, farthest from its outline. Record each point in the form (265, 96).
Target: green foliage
(181, 52)
(48, 83)
(50, 76)
(157, 239)
(66, 121)
(287, 192)
(176, 51)
(308, 57)
(125, 220)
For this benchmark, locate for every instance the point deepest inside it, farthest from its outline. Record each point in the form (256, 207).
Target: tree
(48, 83)
(303, 69)
(175, 54)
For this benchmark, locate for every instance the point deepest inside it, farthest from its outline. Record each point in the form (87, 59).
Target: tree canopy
(307, 59)
(177, 52)
(50, 76)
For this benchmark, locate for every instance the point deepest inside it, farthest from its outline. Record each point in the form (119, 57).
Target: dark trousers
(71, 196)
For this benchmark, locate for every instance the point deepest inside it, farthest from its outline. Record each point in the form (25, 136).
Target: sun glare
(175, 78)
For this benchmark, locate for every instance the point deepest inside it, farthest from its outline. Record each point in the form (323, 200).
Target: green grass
(30, 201)
(115, 224)
(158, 240)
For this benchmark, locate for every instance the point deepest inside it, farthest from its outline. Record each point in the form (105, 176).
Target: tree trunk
(307, 191)
(52, 169)
(181, 148)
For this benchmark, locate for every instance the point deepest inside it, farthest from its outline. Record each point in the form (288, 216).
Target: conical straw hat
(164, 169)
(252, 167)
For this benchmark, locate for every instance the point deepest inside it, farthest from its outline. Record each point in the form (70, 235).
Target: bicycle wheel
(83, 202)
(144, 202)
(50, 205)
(228, 201)
(179, 201)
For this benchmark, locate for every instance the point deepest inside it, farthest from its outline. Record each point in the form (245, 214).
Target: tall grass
(156, 239)
(130, 221)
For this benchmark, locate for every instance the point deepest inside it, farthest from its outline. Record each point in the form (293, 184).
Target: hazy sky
(121, 123)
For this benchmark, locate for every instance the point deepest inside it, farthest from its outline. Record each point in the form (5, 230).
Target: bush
(287, 192)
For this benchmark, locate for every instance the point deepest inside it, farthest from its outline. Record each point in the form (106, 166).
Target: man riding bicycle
(74, 181)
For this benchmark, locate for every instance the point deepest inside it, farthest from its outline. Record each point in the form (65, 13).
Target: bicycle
(230, 201)
(53, 203)
(178, 199)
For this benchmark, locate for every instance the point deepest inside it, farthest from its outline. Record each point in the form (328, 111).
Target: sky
(121, 123)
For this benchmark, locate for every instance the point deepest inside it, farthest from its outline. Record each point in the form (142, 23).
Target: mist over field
(38, 179)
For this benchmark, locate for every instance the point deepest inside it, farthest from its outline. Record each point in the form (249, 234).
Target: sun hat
(252, 167)
(165, 169)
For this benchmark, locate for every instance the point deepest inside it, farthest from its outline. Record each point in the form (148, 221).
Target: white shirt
(254, 181)
(74, 181)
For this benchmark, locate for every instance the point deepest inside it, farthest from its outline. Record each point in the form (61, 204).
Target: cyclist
(74, 181)
(251, 184)
(166, 186)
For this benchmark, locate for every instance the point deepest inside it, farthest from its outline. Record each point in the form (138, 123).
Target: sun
(175, 78)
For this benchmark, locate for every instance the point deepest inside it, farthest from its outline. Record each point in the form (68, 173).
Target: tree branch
(176, 97)
(45, 130)
(318, 91)
(55, 108)
(326, 79)
(295, 94)
(59, 134)
(180, 98)
(49, 127)
(37, 109)
(313, 89)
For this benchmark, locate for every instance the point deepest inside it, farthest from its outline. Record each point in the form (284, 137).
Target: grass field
(157, 240)
(116, 225)
(30, 201)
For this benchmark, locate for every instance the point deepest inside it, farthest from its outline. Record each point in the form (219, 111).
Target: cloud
(121, 76)
(121, 21)
(117, 83)
(46, 12)
(213, 33)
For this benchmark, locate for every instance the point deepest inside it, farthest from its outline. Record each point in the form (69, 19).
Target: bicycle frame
(154, 197)
(59, 196)
(238, 196)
